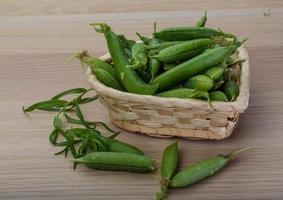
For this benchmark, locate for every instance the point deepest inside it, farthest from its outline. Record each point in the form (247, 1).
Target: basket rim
(240, 105)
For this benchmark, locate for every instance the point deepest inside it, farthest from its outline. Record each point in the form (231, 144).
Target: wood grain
(36, 38)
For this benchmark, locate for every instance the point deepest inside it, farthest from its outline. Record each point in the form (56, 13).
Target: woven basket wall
(168, 117)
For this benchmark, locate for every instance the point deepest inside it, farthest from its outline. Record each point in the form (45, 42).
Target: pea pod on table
(169, 165)
(128, 77)
(117, 161)
(201, 170)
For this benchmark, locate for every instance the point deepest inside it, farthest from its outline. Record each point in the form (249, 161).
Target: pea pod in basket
(128, 77)
(191, 67)
(183, 51)
(188, 33)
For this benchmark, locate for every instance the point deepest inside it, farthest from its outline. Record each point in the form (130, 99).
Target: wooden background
(36, 37)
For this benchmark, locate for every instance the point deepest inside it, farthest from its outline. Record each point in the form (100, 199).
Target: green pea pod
(183, 51)
(162, 45)
(153, 67)
(188, 33)
(107, 79)
(218, 96)
(231, 90)
(202, 169)
(118, 146)
(139, 56)
(169, 164)
(200, 82)
(202, 21)
(96, 63)
(128, 77)
(183, 93)
(191, 67)
(117, 161)
(169, 161)
(214, 73)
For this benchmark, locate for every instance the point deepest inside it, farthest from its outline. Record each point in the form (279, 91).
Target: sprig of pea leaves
(78, 141)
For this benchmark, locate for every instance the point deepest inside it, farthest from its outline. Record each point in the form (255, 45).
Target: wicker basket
(168, 117)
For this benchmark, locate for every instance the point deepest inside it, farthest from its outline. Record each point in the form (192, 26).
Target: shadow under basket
(169, 117)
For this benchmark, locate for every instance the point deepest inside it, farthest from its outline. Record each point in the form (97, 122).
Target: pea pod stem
(236, 152)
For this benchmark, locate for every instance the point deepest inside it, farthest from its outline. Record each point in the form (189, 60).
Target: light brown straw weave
(168, 117)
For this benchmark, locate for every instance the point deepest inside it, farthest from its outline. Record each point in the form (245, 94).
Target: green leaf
(60, 152)
(49, 105)
(57, 123)
(53, 136)
(88, 99)
(76, 121)
(109, 129)
(80, 116)
(68, 92)
(65, 143)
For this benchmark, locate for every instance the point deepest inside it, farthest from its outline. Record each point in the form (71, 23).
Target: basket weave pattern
(168, 117)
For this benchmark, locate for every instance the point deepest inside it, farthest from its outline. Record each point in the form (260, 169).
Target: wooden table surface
(36, 37)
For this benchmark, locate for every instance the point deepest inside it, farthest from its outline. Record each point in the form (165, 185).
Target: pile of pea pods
(183, 62)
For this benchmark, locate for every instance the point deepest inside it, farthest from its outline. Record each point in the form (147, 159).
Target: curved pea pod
(200, 82)
(191, 67)
(218, 96)
(139, 56)
(202, 21)
(117, 161)
(214, 73)
(153, 67)
(107, 79)
(188, 33)
(118, 146)
(169, 164)
(231, 90)
(128, 77)
(169, 161)
(183, 51)
(202, 169)
(96, 63)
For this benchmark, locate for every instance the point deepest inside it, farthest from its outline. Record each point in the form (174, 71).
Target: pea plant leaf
(53, 136)
(49, 105)
(68, 92)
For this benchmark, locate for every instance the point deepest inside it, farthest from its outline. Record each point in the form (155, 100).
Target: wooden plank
(32, 53)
